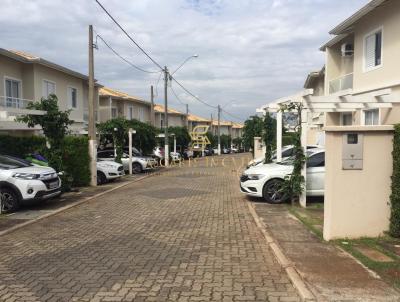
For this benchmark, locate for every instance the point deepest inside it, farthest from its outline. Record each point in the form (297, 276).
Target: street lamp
(184, 62)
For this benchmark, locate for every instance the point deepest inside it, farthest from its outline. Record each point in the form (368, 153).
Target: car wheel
(9, 200)
(272, 191)
(136, 168)
(101, 178)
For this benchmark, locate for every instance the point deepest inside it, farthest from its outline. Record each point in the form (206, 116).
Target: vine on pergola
(294, 184)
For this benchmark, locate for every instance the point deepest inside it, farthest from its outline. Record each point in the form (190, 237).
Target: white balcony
(342, 83)
(10, 106)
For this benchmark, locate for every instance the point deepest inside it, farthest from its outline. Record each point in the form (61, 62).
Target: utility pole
(152, 116)
(91, 124)
(187, 116)
(166, 147)
(219, 132)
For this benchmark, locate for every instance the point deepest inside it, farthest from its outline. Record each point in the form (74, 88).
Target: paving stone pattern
(170, 237)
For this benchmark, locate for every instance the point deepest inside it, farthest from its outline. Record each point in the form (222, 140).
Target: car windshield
(290, 160)
(7, 163)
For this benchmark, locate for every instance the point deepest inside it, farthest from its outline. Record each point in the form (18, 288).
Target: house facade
(26, 78)
(194, 120)
(362, 64)
(175, 117)
(113, 104)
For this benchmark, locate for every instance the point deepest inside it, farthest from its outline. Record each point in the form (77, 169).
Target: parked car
(22, 182)
(188, 154)
(215, 150)
(287, 151)
(175, 157)
(266, 180)
(139, 163)
(209, 151)
(108, 170)
(234, 150)
(226, 151)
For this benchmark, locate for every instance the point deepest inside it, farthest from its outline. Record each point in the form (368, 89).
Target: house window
(371, 117)
(130, 112)
(373, 50)
(346, 119)
(141, 114)
(13, 91)
(113, 112)
(48, 88)
(72, 97)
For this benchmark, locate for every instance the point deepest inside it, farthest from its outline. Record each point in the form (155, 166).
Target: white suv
(22, 182)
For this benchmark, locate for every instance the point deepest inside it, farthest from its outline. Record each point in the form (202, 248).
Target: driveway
(184, 235)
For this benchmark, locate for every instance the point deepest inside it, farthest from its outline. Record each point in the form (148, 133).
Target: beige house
(113, 103)
(362, 65)
(175, 117)
(225, 127)
(237, 130)
(194, 120)
(26, 78)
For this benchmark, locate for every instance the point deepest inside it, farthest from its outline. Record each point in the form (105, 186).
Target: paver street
(185, 235)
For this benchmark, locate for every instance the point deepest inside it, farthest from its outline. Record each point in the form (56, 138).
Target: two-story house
(113, 103)
(175, 117)
(194, 120)
(362, 80)
(26, 78)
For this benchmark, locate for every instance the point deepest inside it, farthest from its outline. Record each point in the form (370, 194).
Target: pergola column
(278, 136)
(304, 129)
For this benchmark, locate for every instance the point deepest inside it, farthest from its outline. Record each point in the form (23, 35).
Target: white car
(287, 151)
(22, 182)
(266, 180)
(175, 157)
(108, 170)
(139, 163)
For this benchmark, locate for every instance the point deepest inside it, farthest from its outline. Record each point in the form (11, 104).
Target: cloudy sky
(250, 51)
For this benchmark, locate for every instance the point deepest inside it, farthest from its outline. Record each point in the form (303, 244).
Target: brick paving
(186, 235)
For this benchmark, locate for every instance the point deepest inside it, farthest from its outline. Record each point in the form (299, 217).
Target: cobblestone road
(186, 235)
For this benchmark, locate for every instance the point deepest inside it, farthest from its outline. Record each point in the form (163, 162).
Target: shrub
(74, 155)
(21, 146)
(395, 196)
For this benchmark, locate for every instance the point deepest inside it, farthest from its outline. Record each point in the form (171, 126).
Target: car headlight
(26, 176)
(255, 176)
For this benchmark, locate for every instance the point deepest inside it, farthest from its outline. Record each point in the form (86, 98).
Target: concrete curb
(294, 276)
(70, 206)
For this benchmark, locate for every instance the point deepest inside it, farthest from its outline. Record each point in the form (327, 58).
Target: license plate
(53, 185)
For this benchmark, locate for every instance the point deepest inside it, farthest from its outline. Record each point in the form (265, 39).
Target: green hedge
(75, 154)
(21, 146)
(395, 196)
(287, 140)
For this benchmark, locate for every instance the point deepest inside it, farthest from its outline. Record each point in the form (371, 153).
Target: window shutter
(370, 51)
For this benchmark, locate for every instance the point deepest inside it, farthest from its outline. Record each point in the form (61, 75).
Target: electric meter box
(352, 151)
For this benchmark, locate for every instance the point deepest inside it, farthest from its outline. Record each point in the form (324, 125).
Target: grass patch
(312, 217)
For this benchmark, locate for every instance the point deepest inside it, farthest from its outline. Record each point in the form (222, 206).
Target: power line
(191, 94)
(232, 115)
(122, 58)
(130, 38)
(176, 95)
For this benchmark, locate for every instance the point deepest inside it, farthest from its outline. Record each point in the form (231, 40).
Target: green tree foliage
(117, 128)
(181, 134)
(54, 123)
(237, 141)
(21, 146)
(253, 127)
(269, 137)
(145, 137)
(294, 183)
(394, 228)
(213, 139)
(225, 141)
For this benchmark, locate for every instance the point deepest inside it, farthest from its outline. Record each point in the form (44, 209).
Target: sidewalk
(331, 274)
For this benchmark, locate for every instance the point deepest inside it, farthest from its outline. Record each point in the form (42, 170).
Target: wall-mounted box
(352, 151)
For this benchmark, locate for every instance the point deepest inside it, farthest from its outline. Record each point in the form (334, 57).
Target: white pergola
(344, 101)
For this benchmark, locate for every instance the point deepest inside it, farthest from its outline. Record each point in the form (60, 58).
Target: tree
(253, 127)
(118, 129)
(225, 141)
(294, 183)
(181, 134)
(145, 137)
(54, 123)
(269, 137)
(212, 138)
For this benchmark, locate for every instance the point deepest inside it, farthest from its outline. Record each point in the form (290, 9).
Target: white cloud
(250, 51)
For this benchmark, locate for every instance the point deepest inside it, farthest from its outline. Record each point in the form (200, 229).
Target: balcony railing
(15, 106)
(342, 83)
